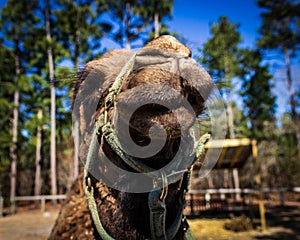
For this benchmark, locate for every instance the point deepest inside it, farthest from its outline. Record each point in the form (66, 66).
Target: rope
(89, 193)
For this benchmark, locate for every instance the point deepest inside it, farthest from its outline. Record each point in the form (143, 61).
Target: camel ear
(103, 70)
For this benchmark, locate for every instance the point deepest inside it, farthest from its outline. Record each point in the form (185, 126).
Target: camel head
(155, 95)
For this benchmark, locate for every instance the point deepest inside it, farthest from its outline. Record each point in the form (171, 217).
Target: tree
(288, 154)
(7, 72)
(157, 11)
(130, 24)
(220, 55)
(79, 30)
(280, 30)
(17, 19)
(53, 105)
(137, 21)
(256, 92)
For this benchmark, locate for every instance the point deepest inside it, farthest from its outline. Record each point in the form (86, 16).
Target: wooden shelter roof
(233, 152)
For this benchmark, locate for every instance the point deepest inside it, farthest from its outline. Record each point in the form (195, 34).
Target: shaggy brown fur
(126, 215)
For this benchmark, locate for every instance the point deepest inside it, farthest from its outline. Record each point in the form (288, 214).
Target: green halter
(156, 199)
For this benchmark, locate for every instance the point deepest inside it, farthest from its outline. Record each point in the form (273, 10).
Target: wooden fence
(210, 199)
(41, 198)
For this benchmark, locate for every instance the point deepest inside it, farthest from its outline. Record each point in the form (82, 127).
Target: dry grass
(214, 229)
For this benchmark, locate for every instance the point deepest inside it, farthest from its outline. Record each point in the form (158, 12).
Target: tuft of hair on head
(170, 43)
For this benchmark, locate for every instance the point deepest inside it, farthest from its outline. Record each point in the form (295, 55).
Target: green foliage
(281, 24)
(256, 91)
(79, 29)
(130, 24)
(220, 54)
(280, 30)
(241, 129)
(163, 9)
(134, 20)
(288, 155)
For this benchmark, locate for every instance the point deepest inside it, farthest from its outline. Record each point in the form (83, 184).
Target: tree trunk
(293, 103)
(76, 123)
(13, 148)
(230, 120)
(156, 19)
(127, 34)
(228, 100)
(236, 180)
(156, 25)
(290, 84)
(37, 181)
(52, 117)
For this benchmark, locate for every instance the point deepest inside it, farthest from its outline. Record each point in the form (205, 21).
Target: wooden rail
(41, 198)
(242, 190)
(220, 191)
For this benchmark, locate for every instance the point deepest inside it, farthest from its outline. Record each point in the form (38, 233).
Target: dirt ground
(28, 225)
(283, 223)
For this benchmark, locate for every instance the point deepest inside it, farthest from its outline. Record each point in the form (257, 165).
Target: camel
(127, 208)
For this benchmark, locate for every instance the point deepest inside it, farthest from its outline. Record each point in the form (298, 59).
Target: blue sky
(191, 18)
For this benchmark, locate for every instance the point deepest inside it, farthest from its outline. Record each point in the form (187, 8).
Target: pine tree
(7, 72)
(157, 11)
(17, 19)
(79, 30)
(126, 15)
(287, 155)
(220, 55)
(256, 91)
(280, 31)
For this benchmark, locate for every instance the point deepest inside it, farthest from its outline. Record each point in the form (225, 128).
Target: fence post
(207, 199)
(1, 206)
(281, 197)
(192, 204)
(43, 201)
(12, 206)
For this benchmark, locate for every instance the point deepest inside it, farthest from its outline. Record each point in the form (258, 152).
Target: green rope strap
(116, 87)
(93, 148)
(89, 193)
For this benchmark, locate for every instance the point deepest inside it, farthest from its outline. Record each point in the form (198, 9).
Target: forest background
(45, 44)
